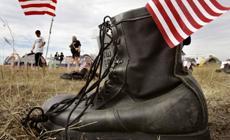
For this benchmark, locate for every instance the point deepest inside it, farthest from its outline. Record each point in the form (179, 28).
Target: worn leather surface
(157, 115)
(146, 62)
(147, 90)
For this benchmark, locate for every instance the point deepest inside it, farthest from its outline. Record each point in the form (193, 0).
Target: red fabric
(38, 7)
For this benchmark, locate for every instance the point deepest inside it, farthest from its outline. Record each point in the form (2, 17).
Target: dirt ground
(24, 88)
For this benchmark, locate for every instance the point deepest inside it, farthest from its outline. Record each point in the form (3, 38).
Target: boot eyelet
(120, 61)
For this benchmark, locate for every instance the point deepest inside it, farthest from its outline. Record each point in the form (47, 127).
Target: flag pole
(48, 43)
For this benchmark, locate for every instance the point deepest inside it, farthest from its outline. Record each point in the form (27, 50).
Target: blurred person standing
(38, 47)
(56, 56)
(75, 50)
(61, 57)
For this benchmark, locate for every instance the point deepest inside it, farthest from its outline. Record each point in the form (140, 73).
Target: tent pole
(51, 25)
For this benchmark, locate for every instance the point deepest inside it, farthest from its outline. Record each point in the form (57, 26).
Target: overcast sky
(82, 17)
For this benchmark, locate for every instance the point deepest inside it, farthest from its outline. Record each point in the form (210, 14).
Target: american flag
(178, 19)
(38, 7)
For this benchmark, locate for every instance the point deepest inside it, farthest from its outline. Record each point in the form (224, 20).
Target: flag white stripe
(172, 18)
(203, 11)
(183, 17)
(38, 2)
(193, 14)
(39, 9)
(163, 23)
(175, 30)
(214, 8)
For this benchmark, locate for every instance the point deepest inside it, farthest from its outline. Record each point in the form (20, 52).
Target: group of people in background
(59, 57)
(82, 67)
(39, 44)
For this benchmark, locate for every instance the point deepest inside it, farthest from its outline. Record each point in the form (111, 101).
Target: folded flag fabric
(38, 7)
(178, 19)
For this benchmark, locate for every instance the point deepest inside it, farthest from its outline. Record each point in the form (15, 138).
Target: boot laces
(89, 91)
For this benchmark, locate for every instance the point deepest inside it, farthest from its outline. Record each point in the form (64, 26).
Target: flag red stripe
(50, 13)
(208, 9)
(178, 18)
(219, 6)
(188, 15)
(55, 1)
(39, 13)
(35, 13)
(158, 23)
(38, 5)
(198, 12)
(167, 20)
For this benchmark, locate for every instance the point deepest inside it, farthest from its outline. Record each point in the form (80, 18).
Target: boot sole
(203, 135)
(77, 135)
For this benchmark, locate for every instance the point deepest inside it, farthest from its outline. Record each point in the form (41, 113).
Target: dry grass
(216, 87)
(21, 89)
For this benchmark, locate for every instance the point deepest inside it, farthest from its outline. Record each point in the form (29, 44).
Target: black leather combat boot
(148, 95)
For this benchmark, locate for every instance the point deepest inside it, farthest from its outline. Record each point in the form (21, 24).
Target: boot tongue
(178, 19)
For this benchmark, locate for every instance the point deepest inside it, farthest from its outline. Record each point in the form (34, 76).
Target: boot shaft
(147, 64)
